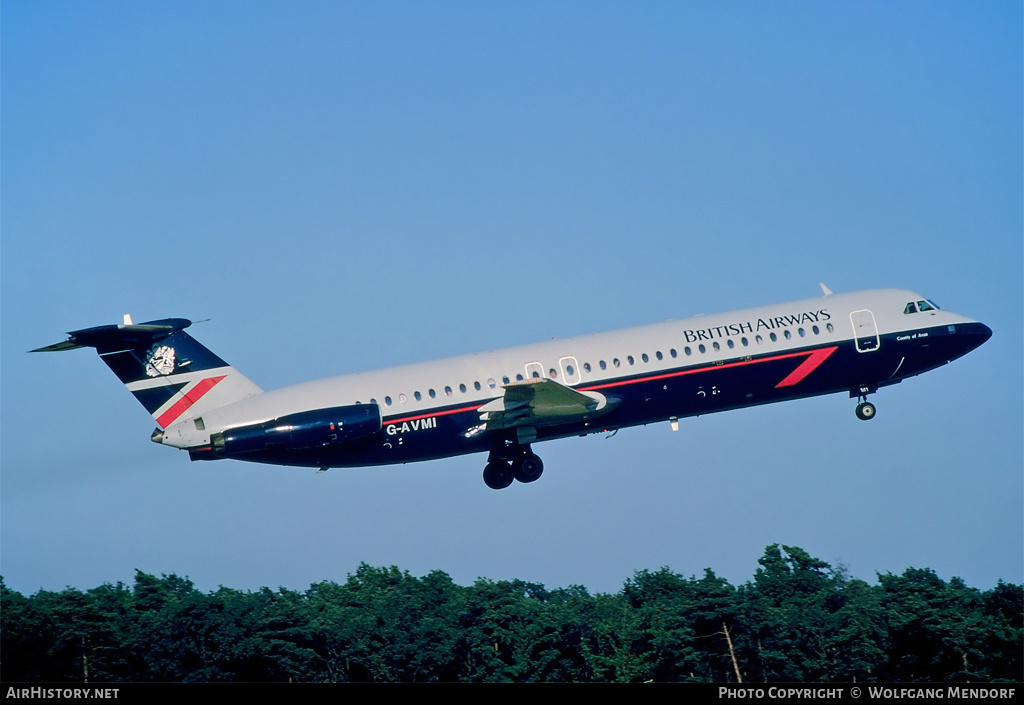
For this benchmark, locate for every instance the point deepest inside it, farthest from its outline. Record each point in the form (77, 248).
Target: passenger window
(787, 334)
(815, 330)
(829, 327)
(402, 398)
(730, 343)
(519, 378)
(744, 341)
(462, 388)
(658, 355)
(616, 362)
(672, 352)
(716, 346)
(773, 337)
(432, 393)
(586, 366)
(603, 365)
(417, 396)
(629, 359)
(476, 386)
(702, 348)
(644, 357)
(448, 391)
(552, 373)
(504, 380)
(387, 401)
(687, 350)
(491, 383)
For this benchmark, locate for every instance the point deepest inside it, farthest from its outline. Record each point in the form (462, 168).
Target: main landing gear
(523, 466)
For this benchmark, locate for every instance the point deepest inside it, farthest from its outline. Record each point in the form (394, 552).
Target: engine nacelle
(304, 430)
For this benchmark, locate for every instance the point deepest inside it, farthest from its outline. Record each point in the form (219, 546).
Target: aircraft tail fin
(170, 373)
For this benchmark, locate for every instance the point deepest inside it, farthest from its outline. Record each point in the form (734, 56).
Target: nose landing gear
(523, 466)
(865, 411)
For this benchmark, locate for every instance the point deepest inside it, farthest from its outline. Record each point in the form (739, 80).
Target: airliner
(504, 401)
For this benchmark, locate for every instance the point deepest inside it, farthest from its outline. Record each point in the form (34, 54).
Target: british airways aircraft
(504, 401)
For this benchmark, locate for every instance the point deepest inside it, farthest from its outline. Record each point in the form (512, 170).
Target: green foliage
(800, 619)
(807, 622)
(949, 631)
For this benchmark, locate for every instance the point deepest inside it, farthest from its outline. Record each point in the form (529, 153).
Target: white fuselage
(583, 362)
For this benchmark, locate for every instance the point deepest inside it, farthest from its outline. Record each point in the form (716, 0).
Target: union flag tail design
(167, 370)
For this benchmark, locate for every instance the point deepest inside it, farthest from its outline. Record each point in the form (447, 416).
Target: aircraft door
(865, 330)
(570, 371)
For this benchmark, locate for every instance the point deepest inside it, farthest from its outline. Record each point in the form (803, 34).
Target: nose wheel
(865, 409)
(523, 466)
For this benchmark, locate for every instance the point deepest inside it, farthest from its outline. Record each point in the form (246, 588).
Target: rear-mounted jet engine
(301, 431)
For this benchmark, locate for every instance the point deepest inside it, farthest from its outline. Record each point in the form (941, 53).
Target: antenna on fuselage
(824, 289)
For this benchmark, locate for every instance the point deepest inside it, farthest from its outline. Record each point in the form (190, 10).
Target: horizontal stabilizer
(170, 373)
(57, 347)
(119, 337)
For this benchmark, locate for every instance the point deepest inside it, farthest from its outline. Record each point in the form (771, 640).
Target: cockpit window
(920, 306)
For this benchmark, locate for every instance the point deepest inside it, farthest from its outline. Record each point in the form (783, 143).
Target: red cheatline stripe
(433, 413)
(806, 367)
(191, 397)
(822, 354)
(811, 363)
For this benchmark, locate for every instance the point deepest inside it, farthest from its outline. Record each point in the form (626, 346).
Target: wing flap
(543, 402)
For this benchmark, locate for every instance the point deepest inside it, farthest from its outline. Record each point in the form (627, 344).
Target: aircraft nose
(986, 332)
(979, 333)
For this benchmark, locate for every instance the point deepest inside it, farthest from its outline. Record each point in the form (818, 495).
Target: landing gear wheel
(528, 467)
(498, 475)
(865, 411)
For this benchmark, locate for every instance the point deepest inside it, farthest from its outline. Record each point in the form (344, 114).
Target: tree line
(798, 620)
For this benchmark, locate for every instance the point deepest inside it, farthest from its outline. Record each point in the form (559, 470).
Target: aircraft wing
(543, 402)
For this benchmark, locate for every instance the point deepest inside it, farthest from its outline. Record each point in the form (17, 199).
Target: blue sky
(348, 186)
